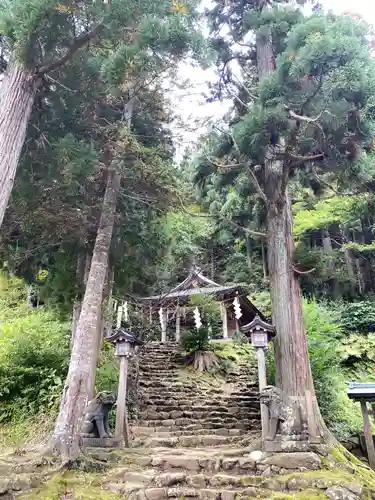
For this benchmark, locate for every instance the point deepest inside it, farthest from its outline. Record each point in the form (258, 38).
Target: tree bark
(74, 399)
(328, 249)
(82, 274)
(17, 95)
(293, 371)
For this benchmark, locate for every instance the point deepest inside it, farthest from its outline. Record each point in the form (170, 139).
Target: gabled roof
(193, 279)
(198, 284)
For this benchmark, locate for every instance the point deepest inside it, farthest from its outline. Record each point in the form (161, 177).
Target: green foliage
(34, 349)
(359, 316)
(358, 349)
(108, 370)
(323, 329)
(209, 310)
(325, 212)
(196, 340)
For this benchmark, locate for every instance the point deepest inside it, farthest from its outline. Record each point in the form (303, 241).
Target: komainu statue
(286, 418)
(95, 421)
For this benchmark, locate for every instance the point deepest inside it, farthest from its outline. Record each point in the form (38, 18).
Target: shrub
(34, 350)
(199, 352)
(358, 350)
(359, 317)
(196, 340)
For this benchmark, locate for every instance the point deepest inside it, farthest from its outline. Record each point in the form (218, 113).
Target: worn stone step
(214, 423)
(193, 415)
(187, 441)
(197, 401)
(209, 407)
(156, 432)
(192, 428)
(186, 493)
(202, 463)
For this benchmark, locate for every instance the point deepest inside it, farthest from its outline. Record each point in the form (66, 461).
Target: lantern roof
(361, 391)
(122, 335)
(258, 324)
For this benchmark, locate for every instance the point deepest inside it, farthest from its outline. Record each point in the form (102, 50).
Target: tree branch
(299, 158)
(227, 219)
(303, 272)
(76, 45)
(303, 118)
(256, 182)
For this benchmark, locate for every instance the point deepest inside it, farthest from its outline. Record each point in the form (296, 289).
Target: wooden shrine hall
(174, 311)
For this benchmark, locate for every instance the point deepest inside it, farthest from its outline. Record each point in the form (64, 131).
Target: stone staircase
(180, 410)
(198, 437)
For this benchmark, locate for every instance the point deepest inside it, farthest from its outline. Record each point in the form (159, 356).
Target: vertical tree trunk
(293, 372)
(65, 438)
(327, 247)
(17, 94)
(99, 336)
(82, 273)
(248, 252)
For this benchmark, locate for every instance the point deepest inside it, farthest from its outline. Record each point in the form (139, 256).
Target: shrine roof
(195, 291)
(198, 284)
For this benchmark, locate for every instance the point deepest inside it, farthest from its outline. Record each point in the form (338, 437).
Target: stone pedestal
(291, 444)
(88, 442)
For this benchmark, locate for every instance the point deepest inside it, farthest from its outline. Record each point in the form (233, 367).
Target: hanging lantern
(197, 318)
(237, 308)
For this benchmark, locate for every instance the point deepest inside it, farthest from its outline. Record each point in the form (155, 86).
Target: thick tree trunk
(65, 438)
(82, 274)
(293, 372)
(17, 94)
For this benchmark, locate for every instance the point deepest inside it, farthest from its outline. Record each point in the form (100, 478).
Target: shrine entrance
(173, 310)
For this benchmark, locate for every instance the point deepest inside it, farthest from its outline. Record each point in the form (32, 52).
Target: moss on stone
(78, 485)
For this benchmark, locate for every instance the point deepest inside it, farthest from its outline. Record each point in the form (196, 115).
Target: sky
(191, 105)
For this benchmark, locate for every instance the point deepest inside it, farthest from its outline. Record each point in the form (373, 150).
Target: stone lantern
(125, 343)
(260, 333)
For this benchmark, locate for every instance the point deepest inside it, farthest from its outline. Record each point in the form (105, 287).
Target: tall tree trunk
(99, 335)
(248, 252)
(293, 371)
(65, 438)
(327, 247)
(82, 274)
(17, 95)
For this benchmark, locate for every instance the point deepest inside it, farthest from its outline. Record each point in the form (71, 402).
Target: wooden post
(262, 377)
(178, 324)
(368, 435)
(121, 429)
(373, 410)
(224, 318)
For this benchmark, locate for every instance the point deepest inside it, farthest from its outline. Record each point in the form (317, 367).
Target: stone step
(237, 462)
(186, 493)
(209, 407)
(196, 402)
(191, 441)
(193, 415)
(149, 429)
(156, 432)
(171, 391)
(214, 422)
